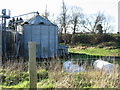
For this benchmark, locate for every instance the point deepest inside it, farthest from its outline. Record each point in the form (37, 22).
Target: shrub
(83, 38)
(24, 84)
(108, 44)
(2, 75)
(14, 77)
(46, 83)
(89, 38)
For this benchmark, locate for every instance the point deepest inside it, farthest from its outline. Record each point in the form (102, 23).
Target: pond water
(81, 58)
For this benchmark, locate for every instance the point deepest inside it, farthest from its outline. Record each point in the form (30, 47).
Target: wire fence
(19, 73)
(14, 72)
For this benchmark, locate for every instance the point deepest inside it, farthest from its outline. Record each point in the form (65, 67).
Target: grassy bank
(95, 51)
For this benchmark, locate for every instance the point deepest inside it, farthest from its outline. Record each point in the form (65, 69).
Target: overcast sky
(18, 7)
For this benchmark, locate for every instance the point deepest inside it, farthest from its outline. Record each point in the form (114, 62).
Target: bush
(89, 38)
(14, 77)
(2, 75)
(24, 84)
(108, 44)
(62, 38)
(83, 38)
(46, 83)
(108, 38)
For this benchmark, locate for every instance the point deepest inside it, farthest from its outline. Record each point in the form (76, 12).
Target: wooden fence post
(0, 56)
(32, 65)
(0, 48)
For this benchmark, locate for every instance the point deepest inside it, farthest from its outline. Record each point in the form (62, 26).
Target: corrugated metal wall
(10, 43)
(46, 38)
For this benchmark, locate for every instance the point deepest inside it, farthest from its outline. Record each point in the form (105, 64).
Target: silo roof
(39, 20)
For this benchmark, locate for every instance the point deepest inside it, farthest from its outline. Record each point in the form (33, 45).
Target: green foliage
(91, 39)
(24, 84)
(2, 71)
(46, 83)
(108, 44)
(14, 77)
(84, 38)
(2, 75)
(42, 74)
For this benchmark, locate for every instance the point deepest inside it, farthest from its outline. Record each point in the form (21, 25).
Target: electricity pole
(4, 17)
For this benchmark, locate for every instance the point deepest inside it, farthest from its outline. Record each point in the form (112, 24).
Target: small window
(26, 23)
(41, 23)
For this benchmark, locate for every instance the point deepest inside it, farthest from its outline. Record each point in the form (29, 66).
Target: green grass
(96, 51)
(24, 84)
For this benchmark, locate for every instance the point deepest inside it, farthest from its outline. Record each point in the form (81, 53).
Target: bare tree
(76, 16)
(60, 23)
(91, 22)
(107, 25)
(74, 20)
(46, 14)
(63, 21)
(64, 17)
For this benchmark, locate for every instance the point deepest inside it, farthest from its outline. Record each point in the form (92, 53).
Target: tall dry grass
(15, 64)
(92, 78)
(60, 79)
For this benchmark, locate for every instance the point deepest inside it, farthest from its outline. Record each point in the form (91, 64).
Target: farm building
(15, 38)
(41, 31)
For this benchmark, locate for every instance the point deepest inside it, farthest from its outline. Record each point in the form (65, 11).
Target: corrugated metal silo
(44, 33)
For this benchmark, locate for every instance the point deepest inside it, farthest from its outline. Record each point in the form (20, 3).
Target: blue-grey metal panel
(56, 40)
(44, 41)
(46, 38)
(36, 38)
(26, 38)
(52, 41)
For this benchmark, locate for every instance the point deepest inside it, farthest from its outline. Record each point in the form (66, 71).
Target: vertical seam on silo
(31, 33)
(54, 43)
(49, 41)
(23, 43)
(40, 41)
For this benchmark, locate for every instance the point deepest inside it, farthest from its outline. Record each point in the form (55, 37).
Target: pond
(91, 58)
(82, 59)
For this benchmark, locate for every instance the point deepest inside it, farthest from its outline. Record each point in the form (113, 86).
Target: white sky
(18, 7)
